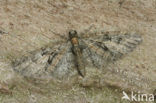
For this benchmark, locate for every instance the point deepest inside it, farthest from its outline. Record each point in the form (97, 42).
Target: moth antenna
(84, 33)
(88, 29)
(57, 34)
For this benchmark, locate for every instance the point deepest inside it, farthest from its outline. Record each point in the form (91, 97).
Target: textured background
(28, 23)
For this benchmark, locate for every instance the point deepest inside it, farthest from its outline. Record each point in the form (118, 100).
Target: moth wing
(108, 48)
(45, 63)
(91, 56)
(64, 67)
(120, 44)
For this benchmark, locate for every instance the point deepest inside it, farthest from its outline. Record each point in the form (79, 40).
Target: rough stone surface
(28, 25)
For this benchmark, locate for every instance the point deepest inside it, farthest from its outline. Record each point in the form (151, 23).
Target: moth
(76, 52)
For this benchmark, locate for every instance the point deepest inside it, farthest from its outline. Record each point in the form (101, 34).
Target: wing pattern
(47, 62)
(98, 50)
(109, 47)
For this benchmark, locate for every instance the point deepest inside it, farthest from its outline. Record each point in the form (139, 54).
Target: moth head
(73, 34)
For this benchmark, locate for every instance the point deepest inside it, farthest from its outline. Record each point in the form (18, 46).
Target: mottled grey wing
(46, 63)
(63, 66)
(110, 47)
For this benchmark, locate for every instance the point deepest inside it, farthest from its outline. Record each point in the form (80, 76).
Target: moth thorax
(74, 40)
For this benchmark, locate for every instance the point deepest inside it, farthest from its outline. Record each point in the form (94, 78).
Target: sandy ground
(28, 25)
